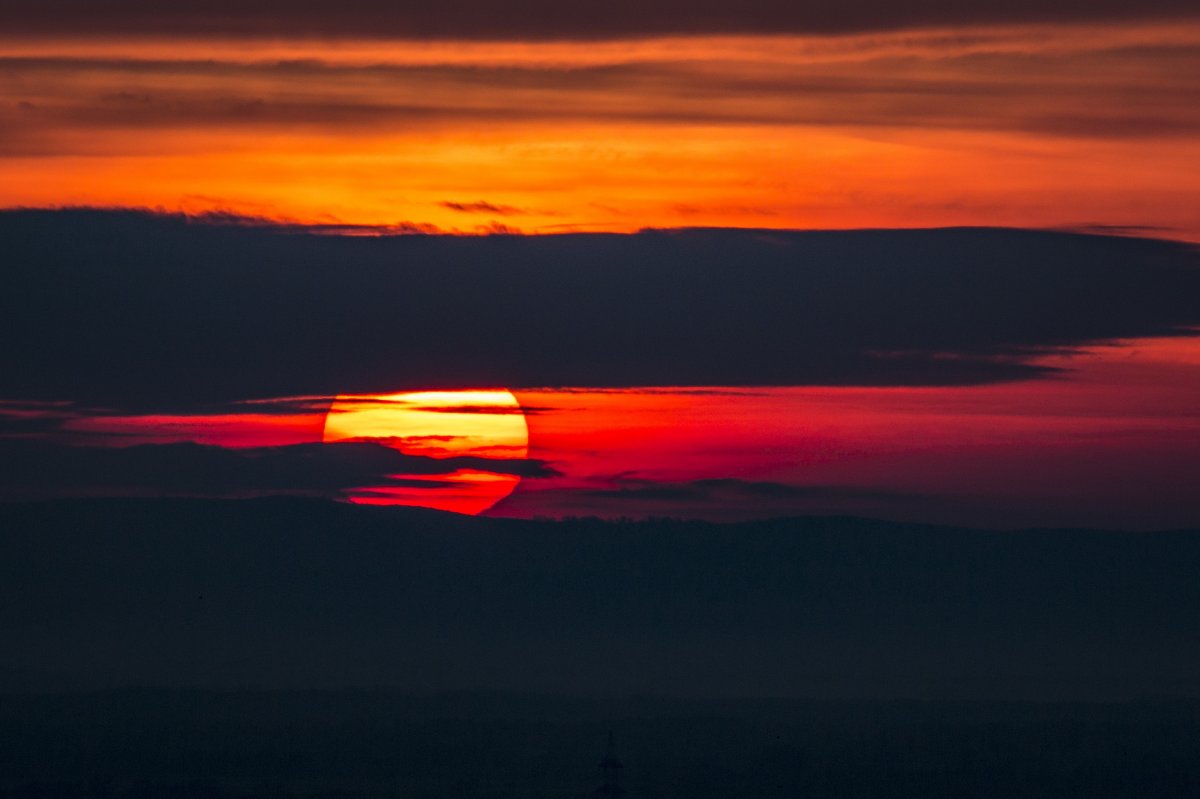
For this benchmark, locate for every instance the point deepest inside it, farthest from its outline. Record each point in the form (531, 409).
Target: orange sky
(1070, 125)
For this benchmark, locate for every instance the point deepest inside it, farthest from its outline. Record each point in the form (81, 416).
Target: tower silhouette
(610, 767)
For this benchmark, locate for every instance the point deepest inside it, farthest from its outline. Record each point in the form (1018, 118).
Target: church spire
(610, 787)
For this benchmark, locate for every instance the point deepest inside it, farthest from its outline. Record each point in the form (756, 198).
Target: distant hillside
(293, 594)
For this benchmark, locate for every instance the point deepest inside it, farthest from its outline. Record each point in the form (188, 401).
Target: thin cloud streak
(33, 469)
(1101, 89)
(543, 19)
(931, 43)
(714, 499)
(483, 207)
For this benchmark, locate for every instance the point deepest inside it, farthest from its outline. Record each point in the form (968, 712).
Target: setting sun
(475, 424)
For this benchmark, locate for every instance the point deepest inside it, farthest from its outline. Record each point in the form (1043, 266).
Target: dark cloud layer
(723, 489)
(541, 19)
(482, 207)
(135, 311)
(714, 499)
(34, 468)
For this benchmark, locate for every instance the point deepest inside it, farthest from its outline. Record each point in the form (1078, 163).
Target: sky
(544, 119)
(923, 261)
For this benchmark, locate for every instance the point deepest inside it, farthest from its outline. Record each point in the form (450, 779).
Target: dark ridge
(300, 594)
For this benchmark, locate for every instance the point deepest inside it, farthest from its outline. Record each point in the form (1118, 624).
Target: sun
(476, 423)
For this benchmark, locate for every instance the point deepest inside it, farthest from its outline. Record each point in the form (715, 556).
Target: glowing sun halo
(440, 424)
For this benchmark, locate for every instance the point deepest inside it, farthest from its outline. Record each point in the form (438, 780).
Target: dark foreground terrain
(293, 647)
(383, 743)
(295, 594)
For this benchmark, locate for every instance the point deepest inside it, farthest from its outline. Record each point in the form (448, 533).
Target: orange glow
(438, 424)
(1113, 442)
(1034, 126)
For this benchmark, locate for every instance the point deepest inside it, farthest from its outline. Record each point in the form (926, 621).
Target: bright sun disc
(438, 424)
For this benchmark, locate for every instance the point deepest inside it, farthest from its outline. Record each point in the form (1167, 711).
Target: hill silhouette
(299, 594)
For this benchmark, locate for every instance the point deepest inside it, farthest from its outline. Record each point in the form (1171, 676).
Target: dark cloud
(30, 468)
(723, 489)
(499, 410)
(714, 499)
(34, 419)
(482, 207)
(1120, 230)
(135, 311)
(540, 19)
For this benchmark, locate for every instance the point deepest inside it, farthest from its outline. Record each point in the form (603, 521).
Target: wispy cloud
(717, 499)
(1089, 86)
(46, 468)
(733, 490)
(482, 207)
(483, 20)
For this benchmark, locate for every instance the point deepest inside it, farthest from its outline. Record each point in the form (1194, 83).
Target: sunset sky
(924, 261)
(661, 114)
